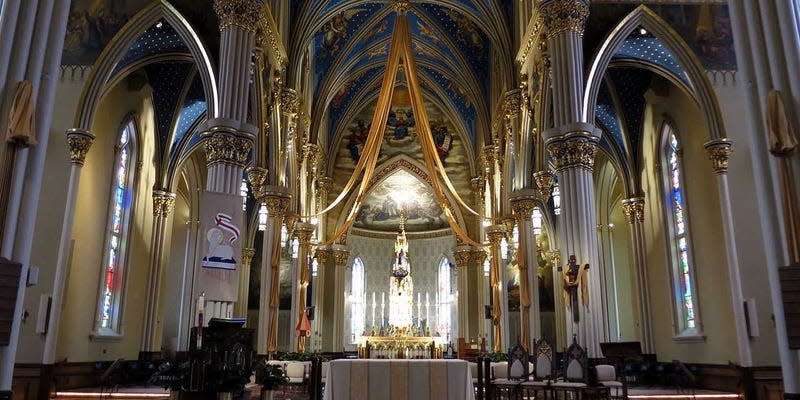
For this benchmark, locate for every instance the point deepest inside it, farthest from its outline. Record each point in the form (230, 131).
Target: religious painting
(220, 250)
(381, 211)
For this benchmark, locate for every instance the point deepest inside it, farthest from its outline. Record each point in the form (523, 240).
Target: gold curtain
(274, 291)
(782, 143)
(524, 289)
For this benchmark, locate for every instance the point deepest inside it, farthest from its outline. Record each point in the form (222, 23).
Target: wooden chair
(506, 385)
(607, 376)
(544, 366)
(575, 373)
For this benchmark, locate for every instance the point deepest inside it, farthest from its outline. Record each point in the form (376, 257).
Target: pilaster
(522, 204)
(240, 308)
(340, 256)
(303, 232)
(276, 200)
(496, 234)
(633, 208)
(163, 207)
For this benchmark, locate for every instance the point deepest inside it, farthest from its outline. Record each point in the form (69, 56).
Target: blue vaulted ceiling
(454, 42)
(651, 50)
(159, 39)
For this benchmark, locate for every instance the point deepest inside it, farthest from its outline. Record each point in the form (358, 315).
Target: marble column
(573, 144)
(79, 142)
(496, 235)
(277, 201)
(163, 206)
(303, 232)
(544, 184)
(522, 204)
(719, 151)
(463, 257)
(238, 21)
(340, 257)
(633, 209)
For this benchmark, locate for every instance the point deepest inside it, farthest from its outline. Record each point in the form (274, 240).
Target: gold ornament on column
(323, 256)
(247, 255)
(463, 256)
(561, 16)
(163, 203)
(633, 209)
(523, 208)
(291, 103)
(511, 104)
(719, 152)
(544, 182)
(340, 257)
(258, 179)
(573, 152)
(227, 147)
(79, 142)
(241, 13)
(277, 203)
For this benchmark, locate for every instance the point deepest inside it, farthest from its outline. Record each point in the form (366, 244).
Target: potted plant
(227, 381)
(269, 376)
(173, 376)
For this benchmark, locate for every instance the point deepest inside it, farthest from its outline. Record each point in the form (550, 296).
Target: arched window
(445, 299)
(678, 235)
(358, 305)
(112, 280)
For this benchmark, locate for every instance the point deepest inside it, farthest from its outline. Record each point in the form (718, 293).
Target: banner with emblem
(221, 224)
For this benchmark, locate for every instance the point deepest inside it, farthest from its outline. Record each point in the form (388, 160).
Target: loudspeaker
(310, 313)
(487, 312)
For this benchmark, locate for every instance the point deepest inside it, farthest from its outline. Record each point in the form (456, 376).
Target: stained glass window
(116, 243)
(686, 303)
(358, 306)
(445, 300)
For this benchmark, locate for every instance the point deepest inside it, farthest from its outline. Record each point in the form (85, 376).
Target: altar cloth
(399, 380)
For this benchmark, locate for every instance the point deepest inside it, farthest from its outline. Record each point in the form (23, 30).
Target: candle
(373, 309)
(201, 302)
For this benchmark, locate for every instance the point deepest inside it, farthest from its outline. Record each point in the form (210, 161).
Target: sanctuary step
(127, 393)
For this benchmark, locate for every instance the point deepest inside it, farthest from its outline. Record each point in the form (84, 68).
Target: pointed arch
(103, 70)
(643, 16)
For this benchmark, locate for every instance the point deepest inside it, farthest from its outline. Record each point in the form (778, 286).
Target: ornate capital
(544, 182)
(719, 151)
(163, 203)
(478, 256)
(561, 16)
(401, 7)
(490, 154)
(241, 13)
(576, 152)
(290, 101)
(324, 185)
(303, 232)
(227, 147)
(476, 184)
(522, 207)
(463, 256)
(258, 179)
(633, 209)
(247, 255)
(323, 255)
(511, 104)
(340, 255)
(496, 234)
(277, 202)
(79, 143)
(310, 151)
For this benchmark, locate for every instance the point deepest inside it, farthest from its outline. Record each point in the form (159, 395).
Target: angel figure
(575, 279)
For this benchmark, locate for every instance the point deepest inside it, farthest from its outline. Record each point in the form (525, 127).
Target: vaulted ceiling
(346, 45)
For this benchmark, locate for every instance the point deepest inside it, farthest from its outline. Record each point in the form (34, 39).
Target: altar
(399, 347)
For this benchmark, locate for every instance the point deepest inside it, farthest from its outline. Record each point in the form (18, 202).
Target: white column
(463, 257)
(303, 231)
(163, 206)
(496, 235)
(523, 204)
(634, 214)
(79, 143)
(719, 151)
(340, 257)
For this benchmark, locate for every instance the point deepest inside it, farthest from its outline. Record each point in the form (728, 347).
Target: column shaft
(277, 202)
(163, 206)
(340, 257)
(303, 232)
(496, 235)
(634, 213)
(240, 308)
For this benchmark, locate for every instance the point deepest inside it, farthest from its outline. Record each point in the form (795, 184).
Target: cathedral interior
(401, 180)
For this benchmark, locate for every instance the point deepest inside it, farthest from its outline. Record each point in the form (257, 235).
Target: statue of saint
(574, 280)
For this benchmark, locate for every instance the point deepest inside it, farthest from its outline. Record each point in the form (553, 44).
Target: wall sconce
(314, 267)
(243, 192)
(537, 221)
(486, 266)
(556, 199)
(262, 217)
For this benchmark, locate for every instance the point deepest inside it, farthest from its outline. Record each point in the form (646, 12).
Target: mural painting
(381, 211)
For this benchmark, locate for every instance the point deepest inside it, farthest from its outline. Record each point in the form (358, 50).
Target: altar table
(399, 380)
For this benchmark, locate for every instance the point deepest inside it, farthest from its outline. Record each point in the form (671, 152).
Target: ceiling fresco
(400, 139)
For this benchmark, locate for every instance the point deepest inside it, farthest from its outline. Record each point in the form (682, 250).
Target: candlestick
(373, 309)
(419, 310)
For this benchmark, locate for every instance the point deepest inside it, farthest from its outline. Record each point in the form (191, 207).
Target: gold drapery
(401, 51)
(782, 144)
(274, 291)
(20, 119)
(524, 290)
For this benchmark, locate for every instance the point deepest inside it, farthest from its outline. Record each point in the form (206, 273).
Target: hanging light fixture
(486, 266)
(537, 221)
(262, 217)
(504, 249)
(314, 266)
(284, 235)
(243, 193)
(295, 248)
(556, 199)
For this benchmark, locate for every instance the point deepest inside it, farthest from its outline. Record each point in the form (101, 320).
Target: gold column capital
(633, 209)
(478, 256)
(247, 255)
(291, 103)
(324, 184)
(490, 154)
(242, 13)
(340, 255)
(401, 7)
(225, 146)
(575, 151)
(163, 203)
(323, 255)
(257, 177)
(277, 202)
(560, 16)
(544, 182)
(496, 233)
(522, 206)
(310, 151)
(511, 103)
(79, 142)
(719, 152)
(303, 232)
(463, 256)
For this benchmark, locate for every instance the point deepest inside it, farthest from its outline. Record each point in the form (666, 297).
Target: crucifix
(574, 280)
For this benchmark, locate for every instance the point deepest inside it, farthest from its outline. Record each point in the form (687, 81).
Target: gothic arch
(643, 16)
(103, 71)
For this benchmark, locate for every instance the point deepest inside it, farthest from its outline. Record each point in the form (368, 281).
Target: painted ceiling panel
(158, 39)
(631, 85)
(167, 80)
(348, 94)
(652, 50)
(194, 107)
